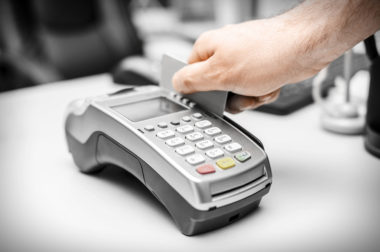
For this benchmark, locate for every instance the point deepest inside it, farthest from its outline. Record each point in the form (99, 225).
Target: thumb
(194, 78)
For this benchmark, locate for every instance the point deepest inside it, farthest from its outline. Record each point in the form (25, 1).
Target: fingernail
(265, 98)
(247, 107)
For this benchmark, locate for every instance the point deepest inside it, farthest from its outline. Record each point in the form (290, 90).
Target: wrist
(313, 39)
(325, 29)
(303, 46)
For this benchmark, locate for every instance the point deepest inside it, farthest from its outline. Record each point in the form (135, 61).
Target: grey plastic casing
(94, 128)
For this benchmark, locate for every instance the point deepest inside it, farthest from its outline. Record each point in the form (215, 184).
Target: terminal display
(146, 109)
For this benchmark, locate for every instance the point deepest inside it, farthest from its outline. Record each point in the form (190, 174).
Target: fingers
(203, 48)
(271, 97)
(239, 103)
(194, 78)
(198, 75)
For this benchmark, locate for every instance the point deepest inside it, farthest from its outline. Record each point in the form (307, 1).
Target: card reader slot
(231, 182)
(257, 184)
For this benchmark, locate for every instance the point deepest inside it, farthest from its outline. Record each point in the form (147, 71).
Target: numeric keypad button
(185, 129)
(243, 156)
(194, 136)
(215, 153)
(149, 127)
(186, 118)
(205, 144)
(185, 150)
(175, 122)
(165, 134)
(225, 163)
(206, 169)
(197, 115)
(213, 131)
(203, 124)
(162, 125)
(233, 147)
(195, 159)
(176, 141)
(222, 139)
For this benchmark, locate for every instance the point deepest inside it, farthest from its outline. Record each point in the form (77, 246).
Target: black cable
(370, 46)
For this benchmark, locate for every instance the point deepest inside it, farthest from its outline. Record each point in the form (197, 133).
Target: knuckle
(207, 37)
(202, 38)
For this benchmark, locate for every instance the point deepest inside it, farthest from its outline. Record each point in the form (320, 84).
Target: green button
(243, 156)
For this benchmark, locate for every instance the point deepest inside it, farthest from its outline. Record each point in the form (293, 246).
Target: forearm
(256, 58)
(330, 27)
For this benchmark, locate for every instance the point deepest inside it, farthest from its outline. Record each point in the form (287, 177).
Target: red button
(206, 168)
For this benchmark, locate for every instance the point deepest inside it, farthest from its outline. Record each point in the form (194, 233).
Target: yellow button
(225, 163)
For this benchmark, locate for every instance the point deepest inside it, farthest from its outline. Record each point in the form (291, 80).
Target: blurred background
(44, 41)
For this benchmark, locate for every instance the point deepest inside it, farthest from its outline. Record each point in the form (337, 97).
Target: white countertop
(325, 194)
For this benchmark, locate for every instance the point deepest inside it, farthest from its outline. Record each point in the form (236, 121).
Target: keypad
(176, 141)
(222, 139)
(215, 153)
(243, 156)
(165, 134)
(233, 147)
(186, 118)
(197, 115)
(213, 131)
(185, 129)
(204, 146)
(206, 169)
(175, 122)
(203, 124)
(195, 159)
(225, 163)
(162, 125)
(149, 127)
(185, 150)
(194, 136)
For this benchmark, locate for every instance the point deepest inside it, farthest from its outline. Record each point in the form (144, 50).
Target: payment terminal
(203, 167)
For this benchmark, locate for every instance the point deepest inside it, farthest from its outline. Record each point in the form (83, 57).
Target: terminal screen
(146, 109)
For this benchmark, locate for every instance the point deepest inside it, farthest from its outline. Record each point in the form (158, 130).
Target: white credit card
(212, 101)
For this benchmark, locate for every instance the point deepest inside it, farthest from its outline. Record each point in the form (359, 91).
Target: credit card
(212, 101)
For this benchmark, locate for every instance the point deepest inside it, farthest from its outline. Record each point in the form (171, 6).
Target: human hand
(252, 59)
